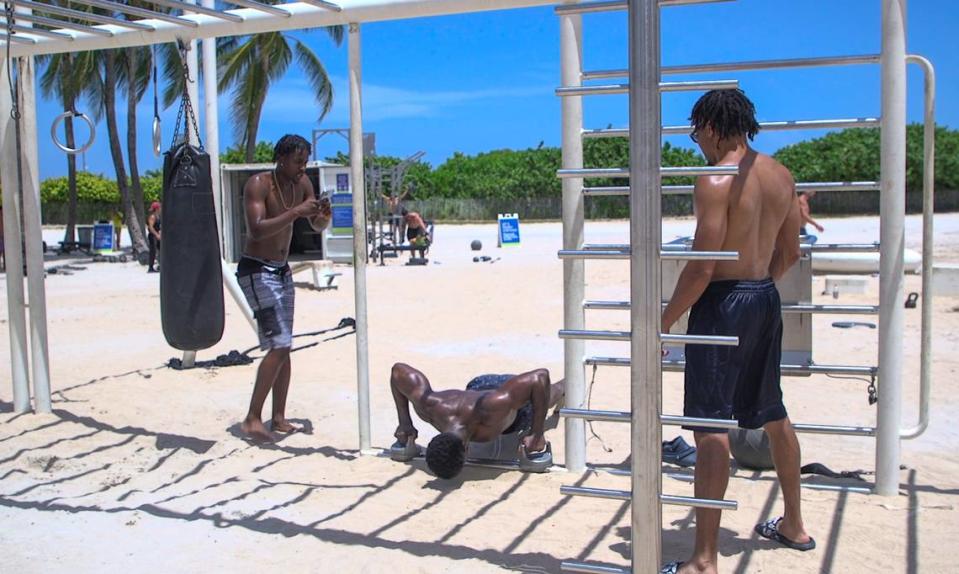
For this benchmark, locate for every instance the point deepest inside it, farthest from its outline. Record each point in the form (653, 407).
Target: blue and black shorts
(741, 382)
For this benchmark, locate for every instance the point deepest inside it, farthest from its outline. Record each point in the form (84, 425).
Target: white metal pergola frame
(644, 252)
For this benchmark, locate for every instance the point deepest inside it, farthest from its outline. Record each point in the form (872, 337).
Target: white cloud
(292, 101)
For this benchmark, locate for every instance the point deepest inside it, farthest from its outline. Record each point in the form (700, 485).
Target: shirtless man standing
(757, 214)
(273, 200)
(490, 406)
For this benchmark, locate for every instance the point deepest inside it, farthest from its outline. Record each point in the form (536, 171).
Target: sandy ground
(141, 467)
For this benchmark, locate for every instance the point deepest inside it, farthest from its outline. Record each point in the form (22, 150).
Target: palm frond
(310, 63)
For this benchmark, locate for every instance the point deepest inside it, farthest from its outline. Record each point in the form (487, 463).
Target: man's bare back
(759, 200)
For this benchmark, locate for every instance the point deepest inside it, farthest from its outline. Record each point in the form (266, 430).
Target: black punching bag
(191, 280)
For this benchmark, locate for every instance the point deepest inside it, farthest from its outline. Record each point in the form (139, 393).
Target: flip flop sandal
(678, 452)
(671, 568)
(770, 530)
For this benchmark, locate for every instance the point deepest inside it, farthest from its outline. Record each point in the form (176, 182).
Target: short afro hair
(728, 112)
(290, 143)
(445, 455)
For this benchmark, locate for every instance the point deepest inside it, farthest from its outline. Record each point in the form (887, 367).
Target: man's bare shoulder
(258, 186)
(770, 165)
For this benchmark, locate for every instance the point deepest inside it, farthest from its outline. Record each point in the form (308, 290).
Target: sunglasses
(693, 136)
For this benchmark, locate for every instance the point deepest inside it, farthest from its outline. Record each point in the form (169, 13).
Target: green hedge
(95, 188)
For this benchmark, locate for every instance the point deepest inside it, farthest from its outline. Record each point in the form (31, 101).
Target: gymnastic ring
(72, 114)
(157, 137)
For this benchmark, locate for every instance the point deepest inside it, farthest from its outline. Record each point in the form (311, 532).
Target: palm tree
(64, 78)
(134, 73)
(102, 92)
(249, 65)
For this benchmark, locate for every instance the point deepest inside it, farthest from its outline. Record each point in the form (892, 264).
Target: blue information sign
(342, 182)
(342, 210)
(103, 237)
(508, 228)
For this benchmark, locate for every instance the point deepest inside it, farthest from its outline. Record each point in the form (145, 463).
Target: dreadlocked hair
(728, 112)
(290, 143)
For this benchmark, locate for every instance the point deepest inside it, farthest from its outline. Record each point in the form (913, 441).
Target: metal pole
(33, 236)
(571, 66)
(13, 258)
(928, 243)
(891, 239)
(359, 238)
(645, 237)
(211, 122)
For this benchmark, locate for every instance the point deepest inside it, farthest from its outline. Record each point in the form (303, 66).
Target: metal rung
(80, 15)
(664, 255)
(625, 495)
(849, 247)
(141, 12)
(595, 492)
(198, 9)
(719, 340)
(587, 568)
(324, 4)
(594, 7)
(29, 30)
(623, 190)
(812, 186)
(788, 308)
(863, 371)
(260, 6)
(594, 335)
(742, 66)
(763, 126)
(594, 415)
(675, 420)
(807, 485)
(832, 309)
(64, 25)
(785, 369)
(16, 39)
(698, 502)
(673, 171)
(612, 89)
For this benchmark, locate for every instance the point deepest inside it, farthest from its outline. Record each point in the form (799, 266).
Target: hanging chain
(871, 389)
(10, 16)
(185, 103)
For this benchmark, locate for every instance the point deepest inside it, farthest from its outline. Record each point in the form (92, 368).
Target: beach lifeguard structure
(69, 30)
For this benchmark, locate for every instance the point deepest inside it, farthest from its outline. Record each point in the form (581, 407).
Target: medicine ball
(476, 245)
(750, 448)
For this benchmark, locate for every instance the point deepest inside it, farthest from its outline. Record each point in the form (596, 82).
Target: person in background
(153, 234)
(117, 228)
(804, 213)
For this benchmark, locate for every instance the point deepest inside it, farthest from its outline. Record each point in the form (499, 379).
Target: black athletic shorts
(524, 416)
(736, 382)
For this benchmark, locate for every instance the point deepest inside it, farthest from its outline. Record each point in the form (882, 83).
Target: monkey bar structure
(118, 25)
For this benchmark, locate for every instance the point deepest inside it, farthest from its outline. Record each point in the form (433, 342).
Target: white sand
(140, 467)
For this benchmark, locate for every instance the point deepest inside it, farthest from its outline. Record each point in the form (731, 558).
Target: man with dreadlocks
(755, 213)
(273, 200)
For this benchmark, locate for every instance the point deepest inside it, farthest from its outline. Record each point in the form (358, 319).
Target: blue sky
(478, 82)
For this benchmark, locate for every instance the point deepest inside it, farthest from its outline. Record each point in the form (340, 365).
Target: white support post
(193, 91)
(359, 238)
(33, 235)
(211, 121)
(13, 258)
(892, 242)
(571, 68)
(645, 285)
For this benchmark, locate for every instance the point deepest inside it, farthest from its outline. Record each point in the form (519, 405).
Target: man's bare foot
(284, 426)
(254, 429)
